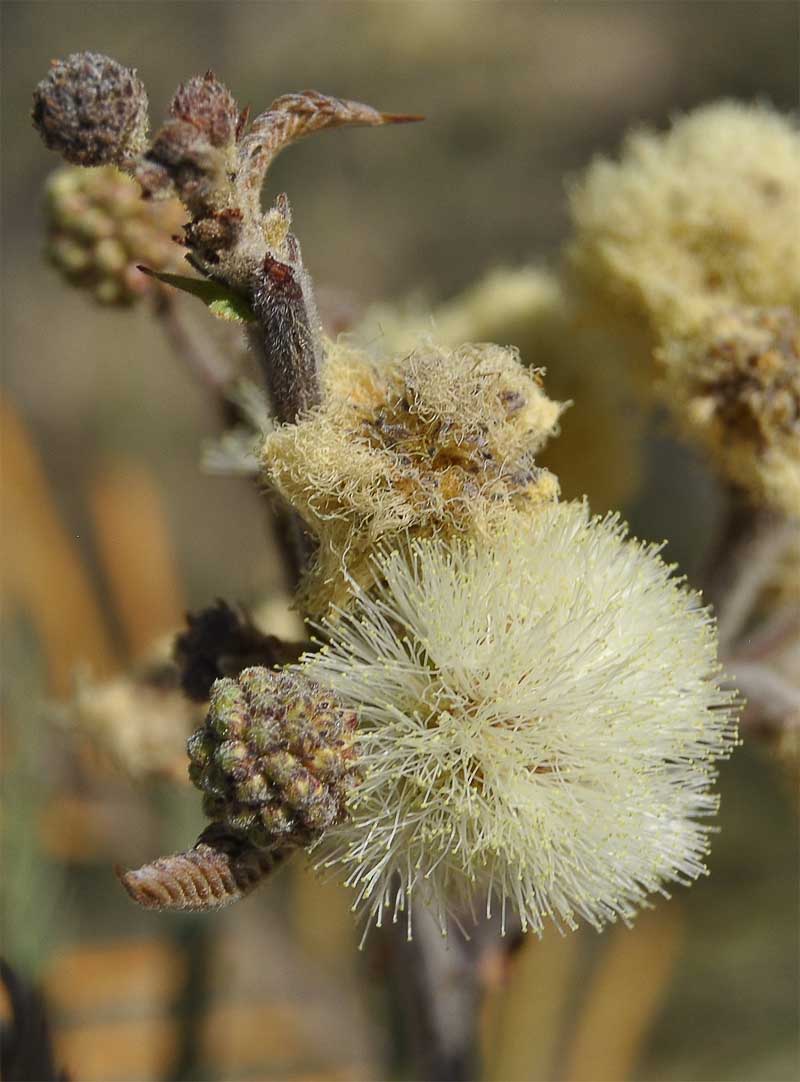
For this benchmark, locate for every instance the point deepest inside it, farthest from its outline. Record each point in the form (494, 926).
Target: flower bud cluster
(274, 758)
(193, 155)
(99, 229)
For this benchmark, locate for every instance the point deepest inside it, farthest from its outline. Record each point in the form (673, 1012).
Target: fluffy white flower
(539, 722)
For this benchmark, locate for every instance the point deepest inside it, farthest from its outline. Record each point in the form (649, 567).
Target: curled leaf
(293, 116)
(221, 302)
(219, 869)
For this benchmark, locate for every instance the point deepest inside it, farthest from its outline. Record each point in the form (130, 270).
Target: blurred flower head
(734, 387)
(99, 229)
(706, 212)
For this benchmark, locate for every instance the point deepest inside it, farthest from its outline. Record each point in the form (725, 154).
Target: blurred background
(111, 531)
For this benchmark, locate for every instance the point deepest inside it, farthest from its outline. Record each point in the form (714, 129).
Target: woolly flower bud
(92, 109)
(274, 757)
(209, 106)
(538, 720)
(193, 154)
(734, 386)
(707, 211)
(435, 442)
(99, 229)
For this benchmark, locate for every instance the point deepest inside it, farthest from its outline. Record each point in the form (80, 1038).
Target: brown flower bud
(275, 757)
(207, 104)
(220, 641)
(92, 109)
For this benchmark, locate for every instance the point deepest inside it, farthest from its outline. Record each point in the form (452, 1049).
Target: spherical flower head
(705, 212)
(539, 719)
(435, 442)
(93, 110)
(734, 387)
(99, 230)
(274, 757)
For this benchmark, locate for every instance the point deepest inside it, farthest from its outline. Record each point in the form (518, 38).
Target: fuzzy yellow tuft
(704, 213)
(598, 451)
(734, 386)
(433, 443)
(539, 719)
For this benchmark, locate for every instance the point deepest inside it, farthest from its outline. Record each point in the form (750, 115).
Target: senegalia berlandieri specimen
(275, 761)
(539, 719)
(435, 442)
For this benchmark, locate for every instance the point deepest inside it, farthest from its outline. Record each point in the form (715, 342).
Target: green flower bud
(275, 757)
(99, 229)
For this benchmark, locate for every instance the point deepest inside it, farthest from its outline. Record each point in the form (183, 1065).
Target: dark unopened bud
(193, 153)
(275, 757)
(208, 105)
(219, 641)
(93, 110)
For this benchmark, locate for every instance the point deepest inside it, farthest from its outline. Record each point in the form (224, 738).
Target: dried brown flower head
(434, 442)
(735, 387)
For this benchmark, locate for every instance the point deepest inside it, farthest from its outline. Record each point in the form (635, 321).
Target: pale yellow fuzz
(431, 443)
(540, 714)
(597, 452)
(707, 212)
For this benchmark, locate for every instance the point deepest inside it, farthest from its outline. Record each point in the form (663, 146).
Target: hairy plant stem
(751, 542)
(200, 357)
(435, 980)
(286, 338)
(437, 990)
